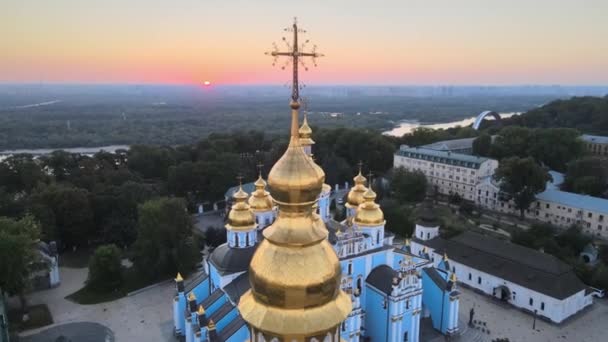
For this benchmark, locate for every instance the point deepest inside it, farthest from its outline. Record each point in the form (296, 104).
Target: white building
(530, 280)
(560, 208)
(596, 144)
(450, 173)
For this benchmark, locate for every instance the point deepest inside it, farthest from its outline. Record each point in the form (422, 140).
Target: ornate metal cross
(296, 53)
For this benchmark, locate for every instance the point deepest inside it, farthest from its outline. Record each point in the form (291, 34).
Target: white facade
(554, 309)
(450, 173)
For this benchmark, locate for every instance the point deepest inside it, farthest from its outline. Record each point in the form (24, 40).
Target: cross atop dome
(296, 54)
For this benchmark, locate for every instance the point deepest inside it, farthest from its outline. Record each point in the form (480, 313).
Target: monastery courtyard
(147, 316)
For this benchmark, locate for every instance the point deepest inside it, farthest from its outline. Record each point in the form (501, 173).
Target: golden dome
(355, 195)
(295, 273)
(369, 213)
(240, 216)
(305, 133)
(295, 178)
(260, 200)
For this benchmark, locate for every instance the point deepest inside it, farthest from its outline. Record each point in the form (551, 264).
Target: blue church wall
(221, 324)
(437, 302)
(201, 291)
(216, 305)
(241, 335)
(376, 316)
(378, 259)
(214, 276)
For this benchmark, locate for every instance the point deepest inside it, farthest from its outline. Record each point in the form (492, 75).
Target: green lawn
(39, 315)
(131, 283)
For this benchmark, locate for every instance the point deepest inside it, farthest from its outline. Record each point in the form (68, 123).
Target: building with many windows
(560, 208)
(596, 144)
(450, 173)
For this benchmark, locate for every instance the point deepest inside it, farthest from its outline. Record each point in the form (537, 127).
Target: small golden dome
(369, 213)
(191, 297)
(179, 278)
(201, 310)
(355, 195)
(240, 216)
(260, 200)
(211, 325)
(305, 133)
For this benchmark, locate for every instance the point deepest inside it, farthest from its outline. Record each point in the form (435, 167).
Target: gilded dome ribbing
(240, 216)
(369, 212)
(295, 273)
(260, 200)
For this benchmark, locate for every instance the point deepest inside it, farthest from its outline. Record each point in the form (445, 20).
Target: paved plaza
(505, 321)
(145, 316)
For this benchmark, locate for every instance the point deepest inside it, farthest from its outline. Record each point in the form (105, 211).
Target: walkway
(145, 316)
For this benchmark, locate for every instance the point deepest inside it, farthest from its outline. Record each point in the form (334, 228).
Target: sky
(427, 42)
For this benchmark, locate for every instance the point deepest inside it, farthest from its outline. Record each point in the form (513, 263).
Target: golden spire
(445, 256)
(191, 297)
(407, 242)
(179, 278)
(295, 274)
(305, 132)
(453, 277)
(355, 195)
(201, 310)
(240, 217)
(211, 325)
(260, 200)
(369, 212)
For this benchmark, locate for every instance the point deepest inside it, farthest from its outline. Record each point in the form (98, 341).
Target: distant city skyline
(469, 42)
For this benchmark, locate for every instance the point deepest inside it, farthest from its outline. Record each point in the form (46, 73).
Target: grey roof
(597, 139)
(450, 145)
(238, 287)
(437, 278)
(212, 298)
(381, 278)
(193, 282)
(426, 215)
(527, 267)
(247, 187)
(231, 260)
(231, 328)
(585, 202)
(221, 312)
(443, 157)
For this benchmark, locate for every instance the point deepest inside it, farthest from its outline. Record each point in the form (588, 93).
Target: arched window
(378, 237)
(246, 239)
(236, 240)
(359, 284)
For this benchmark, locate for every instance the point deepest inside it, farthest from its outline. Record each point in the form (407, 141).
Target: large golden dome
(295, 178)
(369, 213)
(295, 273)
(240, 216)
(355, 195)
(260, 200)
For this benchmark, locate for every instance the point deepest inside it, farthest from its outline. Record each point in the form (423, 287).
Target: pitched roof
(231, 260)
(444, 157)
(381, 278)
(527, 267)
(436, 277)
(453, 144)
(585, 202)
(231, 328)
(238, 287)
(597, 139)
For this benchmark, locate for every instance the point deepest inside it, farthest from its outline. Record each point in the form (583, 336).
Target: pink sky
(365, 42)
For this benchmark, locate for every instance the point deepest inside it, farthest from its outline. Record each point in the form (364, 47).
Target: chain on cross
(296, 54)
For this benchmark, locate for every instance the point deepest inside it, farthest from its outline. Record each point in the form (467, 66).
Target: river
(407, 126)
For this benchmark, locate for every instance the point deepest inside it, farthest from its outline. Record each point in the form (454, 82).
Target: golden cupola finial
(355, 195)
(305, 132)
(240, 216)
(369, 212)
(260, 200)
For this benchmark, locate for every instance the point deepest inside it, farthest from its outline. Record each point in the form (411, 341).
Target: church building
(289, 272)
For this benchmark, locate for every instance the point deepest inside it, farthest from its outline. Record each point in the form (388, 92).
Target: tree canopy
(18, 253)
(522, 179)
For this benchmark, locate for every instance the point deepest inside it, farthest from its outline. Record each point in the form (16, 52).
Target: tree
(105, 269)
(512, 141)
(215, 236)
(398, 218)
(555, 147)
(165, 244)
(587, 175)
(408, 186)
(482, 145)
(17, 254)
(522, 179)
(64, 212)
